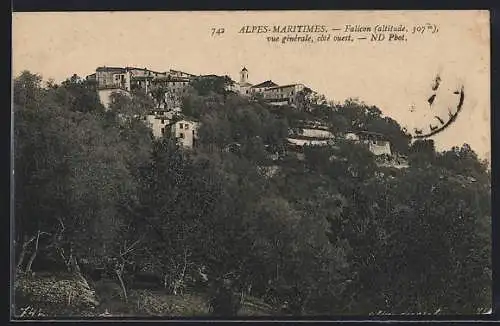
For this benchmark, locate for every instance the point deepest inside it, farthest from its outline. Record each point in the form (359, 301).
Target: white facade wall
(282, 94)
(256, 90)
(316, 133)
(351, 136)
(122, 80)
(232, 88)
(157, 124)
(186, 132)
(302, 142)
(177, 73)
(380, 147)
(377, 147)
(244, 89)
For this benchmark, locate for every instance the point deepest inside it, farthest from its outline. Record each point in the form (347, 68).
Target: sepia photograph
(242, 164)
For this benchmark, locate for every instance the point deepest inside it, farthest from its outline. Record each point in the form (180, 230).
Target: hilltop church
(271, 92)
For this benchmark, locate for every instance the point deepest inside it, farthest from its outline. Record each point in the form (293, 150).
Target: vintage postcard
(251, 163)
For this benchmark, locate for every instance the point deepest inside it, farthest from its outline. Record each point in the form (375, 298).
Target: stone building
(377, 143)
(172, 87)
(128, 79)
(166, 88)
(260, 88)
(270, 91)
(280, 95)
(243, 85)
(185, 131)
(180, 74)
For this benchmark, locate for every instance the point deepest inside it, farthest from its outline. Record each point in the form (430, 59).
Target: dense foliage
(330, 234)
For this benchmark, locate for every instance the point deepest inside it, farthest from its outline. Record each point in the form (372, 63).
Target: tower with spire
(244, 86)
(244, 76)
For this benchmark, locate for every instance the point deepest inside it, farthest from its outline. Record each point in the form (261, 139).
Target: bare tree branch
(23, 251)
(33, 255)
(131, 247)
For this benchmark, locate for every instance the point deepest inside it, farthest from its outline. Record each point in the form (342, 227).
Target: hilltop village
(255, 199)
(167, 117)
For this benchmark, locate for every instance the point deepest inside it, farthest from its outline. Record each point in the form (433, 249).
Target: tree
(158, 93)
(464, 161)
(79, 95)
(205, 85)
(136, 104)
(410, 239)
(361, 117)
(422, 152)
(303, 99)
(71, 177)
(332, 233)
(27, 90)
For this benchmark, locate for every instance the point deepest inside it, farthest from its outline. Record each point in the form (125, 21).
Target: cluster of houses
(174, 84)
(271, 92)
(167, 119)
(127, 79)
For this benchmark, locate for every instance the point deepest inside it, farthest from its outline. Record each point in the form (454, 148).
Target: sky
(394, 75)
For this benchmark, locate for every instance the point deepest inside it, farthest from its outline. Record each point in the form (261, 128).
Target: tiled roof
(145, 69)
(284, 86)
(110, 69)
(123, 69)
(182, 72)
(172, 78)
(151, 72)
(267, 83)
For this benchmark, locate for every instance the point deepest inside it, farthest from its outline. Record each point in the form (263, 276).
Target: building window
(162, 121)
(181, 135)
(162, 131)
(186, 127)
(181, 125)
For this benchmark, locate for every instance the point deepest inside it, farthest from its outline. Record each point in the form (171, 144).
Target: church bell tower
(243, 76)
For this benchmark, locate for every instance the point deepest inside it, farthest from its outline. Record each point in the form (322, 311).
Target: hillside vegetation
(99, 201)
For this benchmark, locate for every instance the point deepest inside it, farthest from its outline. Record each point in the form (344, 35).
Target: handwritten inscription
(348, 33)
